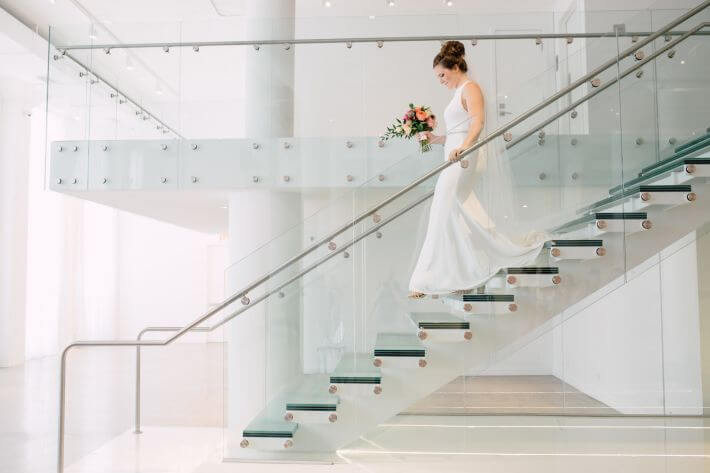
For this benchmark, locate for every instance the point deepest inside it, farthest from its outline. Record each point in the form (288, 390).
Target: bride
(464, 247)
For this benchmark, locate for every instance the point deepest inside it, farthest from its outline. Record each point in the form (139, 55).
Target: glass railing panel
(68, 94)
(681, 118)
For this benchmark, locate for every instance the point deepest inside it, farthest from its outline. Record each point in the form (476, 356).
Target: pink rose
(421, 115)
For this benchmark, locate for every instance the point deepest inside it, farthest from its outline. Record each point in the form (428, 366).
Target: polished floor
(492, 395)
(182, 431)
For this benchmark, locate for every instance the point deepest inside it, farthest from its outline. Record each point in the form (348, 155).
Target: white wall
(637, 348)
(535, 358)
(14, 138)
(162, 274)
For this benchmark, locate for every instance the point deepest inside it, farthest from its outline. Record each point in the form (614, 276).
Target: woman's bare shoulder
(472, 88)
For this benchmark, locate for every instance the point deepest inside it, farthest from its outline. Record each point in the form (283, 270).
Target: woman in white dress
(463, 247)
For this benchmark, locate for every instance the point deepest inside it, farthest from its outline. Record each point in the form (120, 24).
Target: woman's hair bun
(453, 49)
(451, 56)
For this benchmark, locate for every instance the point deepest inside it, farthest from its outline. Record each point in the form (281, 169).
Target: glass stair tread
(356, 368)
(322, 403)
(633, 190)
(399, 345)
(438, 320)
(692, 142)
(660, 168)
(532, 270)
(309, 396)
(260, 428)
(488, 298)
(591, 217)
(690, 148)
(573, 243)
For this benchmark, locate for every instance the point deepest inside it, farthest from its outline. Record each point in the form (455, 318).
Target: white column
(14, 165)
(263, 342)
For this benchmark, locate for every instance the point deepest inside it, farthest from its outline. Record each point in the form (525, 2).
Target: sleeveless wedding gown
(462, 248)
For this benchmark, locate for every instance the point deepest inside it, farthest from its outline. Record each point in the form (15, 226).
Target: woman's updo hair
(451, 54)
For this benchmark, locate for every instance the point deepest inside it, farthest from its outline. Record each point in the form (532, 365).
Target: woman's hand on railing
(455, 155)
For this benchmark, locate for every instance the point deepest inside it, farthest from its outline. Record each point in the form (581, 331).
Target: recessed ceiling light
(372, 17)
(449, 3)
(93, 36)
(390, 3)
(327, 3)
(129, 64)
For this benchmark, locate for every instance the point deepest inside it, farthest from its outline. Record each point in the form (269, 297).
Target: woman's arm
(473, 103)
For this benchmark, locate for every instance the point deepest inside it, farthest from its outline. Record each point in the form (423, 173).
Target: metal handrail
(371, 39)
(602, 87)
(500, 131)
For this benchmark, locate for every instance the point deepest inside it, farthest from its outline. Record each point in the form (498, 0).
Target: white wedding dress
(463, 248)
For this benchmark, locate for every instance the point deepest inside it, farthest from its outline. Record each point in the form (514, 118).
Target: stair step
(529, 276)
(488, 297)
(399, 349)
(688, 148)
(482, 304)
(356, 375)
(643, 196)
(269, 435)
(692, 142)
(305, 408)
(575, 249)
(441, 327)
(438, 321)
(573, 243)
(662, 168)
(603, 222)
(533, 270)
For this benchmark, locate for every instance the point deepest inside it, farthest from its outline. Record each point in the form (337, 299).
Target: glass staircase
(344, 349)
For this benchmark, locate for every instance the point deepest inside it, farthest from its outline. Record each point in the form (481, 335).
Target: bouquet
(415, 122)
